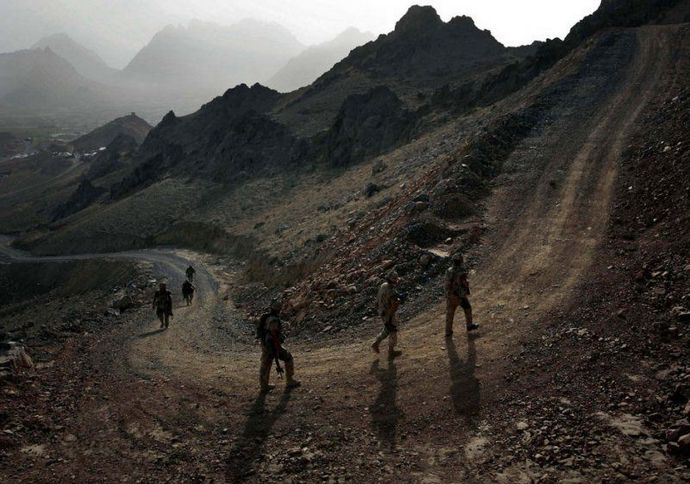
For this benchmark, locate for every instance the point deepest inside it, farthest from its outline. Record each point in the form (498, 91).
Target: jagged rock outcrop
(423, 47)
(367, 125)
(85, 194)
(227, 139)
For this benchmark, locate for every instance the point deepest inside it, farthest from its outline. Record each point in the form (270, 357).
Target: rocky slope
(420, 54)
(248, 132)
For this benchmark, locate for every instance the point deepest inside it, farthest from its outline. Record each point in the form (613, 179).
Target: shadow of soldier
(464, 387)
(384, 412)
(249, 447)
(150, 333)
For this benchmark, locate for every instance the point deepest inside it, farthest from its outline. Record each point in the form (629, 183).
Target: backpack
(262, 333)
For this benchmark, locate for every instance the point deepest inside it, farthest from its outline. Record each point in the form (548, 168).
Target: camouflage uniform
(162, 302)
(190, 273)
(274, 329)
(388, 303)
(187, 292)
(457, 290)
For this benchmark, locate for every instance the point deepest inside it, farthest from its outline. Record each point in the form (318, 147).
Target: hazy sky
(117, 29)
(513, 22)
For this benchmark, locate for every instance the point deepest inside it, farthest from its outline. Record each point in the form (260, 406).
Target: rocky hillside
(419, 55)
(251, 131)
(131, 125)
(228, 139)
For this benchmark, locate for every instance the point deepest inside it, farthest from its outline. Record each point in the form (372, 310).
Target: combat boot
(292, 383)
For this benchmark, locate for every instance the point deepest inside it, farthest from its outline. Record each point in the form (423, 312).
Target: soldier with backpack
(457, 289)
(269, 332)
(388, 302)
(162, 303)
(190, 273)
(187, 292)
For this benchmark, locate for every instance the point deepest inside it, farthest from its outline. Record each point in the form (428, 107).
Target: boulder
(123, 303)
(13, 356)
(371, 189)
(378, 167)
(681, 314)
(677, 430)
(425, 260)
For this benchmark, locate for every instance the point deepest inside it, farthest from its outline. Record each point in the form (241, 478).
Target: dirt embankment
(46, 302)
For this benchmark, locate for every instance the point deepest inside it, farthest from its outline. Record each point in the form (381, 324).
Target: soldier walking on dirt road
(190, 273)
(187, 292)
(457, 289)
(388, 302)
(162, 303)
(270, 333)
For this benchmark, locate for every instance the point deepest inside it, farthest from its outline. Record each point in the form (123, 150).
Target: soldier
(187, 292)
(388, 302)
(457, 290)
(190, 273)
(270, 334)
(162, 303)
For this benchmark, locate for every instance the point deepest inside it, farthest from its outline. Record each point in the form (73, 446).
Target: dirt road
(183, 403)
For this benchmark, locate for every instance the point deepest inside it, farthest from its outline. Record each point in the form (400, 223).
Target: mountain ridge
(87, 62)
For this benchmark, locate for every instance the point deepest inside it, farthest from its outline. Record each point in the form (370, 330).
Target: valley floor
(544, 392)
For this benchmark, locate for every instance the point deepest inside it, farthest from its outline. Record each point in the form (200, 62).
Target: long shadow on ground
(150, 333)
(249, 447)
(384, 412)
(464, 387)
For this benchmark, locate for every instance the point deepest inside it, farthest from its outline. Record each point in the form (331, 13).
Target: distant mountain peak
(84, 60)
